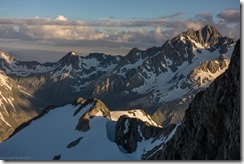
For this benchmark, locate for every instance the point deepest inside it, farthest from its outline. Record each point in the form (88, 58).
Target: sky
(46, 30)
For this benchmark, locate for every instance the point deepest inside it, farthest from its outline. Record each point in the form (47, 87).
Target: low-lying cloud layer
(112, 32)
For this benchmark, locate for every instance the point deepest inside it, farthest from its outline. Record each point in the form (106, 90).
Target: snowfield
(50, 135)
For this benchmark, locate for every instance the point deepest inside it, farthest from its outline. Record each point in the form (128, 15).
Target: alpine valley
(106, 107)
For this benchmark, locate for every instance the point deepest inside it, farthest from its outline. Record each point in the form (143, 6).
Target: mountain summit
(70, 59)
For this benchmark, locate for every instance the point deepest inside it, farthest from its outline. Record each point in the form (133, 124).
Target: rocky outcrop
(74, 143)
(130, 131)
(211, 125)
(98, 109)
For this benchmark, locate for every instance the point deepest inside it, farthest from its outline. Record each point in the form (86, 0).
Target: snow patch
(126, 130)
(198, 45)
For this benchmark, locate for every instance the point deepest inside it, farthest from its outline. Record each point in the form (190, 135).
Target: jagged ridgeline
(88, 130)
(161, 81)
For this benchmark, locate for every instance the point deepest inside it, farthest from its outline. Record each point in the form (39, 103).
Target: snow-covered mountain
(85, 130)
(211, 126)
(147, 93)
(167, 78)
(161, 81)
(32, 86)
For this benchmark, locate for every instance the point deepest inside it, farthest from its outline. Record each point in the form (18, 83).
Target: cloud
(230, 16)
(194, 25)
(60, 18)
(158, 33)
(61, 32)
(113, 32)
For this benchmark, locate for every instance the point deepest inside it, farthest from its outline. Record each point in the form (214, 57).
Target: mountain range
(161, 81)
(88, 130)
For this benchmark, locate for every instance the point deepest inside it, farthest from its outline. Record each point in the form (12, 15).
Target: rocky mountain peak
(73, 53)
(70, 55)
(206, 37)
(209, 34)
(70, 59)
(133, 55)
(134, 50)
(211, 126)
(211, 29)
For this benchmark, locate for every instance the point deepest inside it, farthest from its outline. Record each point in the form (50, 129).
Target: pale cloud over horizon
(112, 33)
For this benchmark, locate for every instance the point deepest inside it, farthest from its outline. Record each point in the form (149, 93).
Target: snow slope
(55, 133)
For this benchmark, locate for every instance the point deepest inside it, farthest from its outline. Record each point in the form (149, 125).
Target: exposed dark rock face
(70, 59)
(57, 157)
(130, 131)
(74, 143)
(211, 126)
(98, 106)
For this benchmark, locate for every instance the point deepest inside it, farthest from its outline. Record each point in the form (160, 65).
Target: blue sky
(97, 9)
(109, 26)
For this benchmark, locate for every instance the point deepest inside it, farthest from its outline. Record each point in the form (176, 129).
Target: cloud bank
(113, 32)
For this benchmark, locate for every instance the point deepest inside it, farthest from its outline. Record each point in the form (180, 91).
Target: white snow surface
(137, 113)
(50, 135)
